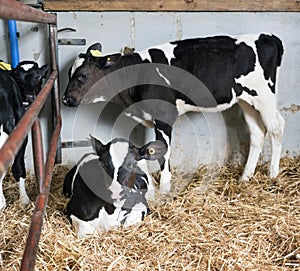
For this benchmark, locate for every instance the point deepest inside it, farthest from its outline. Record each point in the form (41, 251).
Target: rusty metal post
(55, 93)
(53, 50)
(38, 153)
(29, 256)
(11, 9)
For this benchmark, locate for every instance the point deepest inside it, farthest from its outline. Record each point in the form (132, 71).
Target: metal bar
(76, 144)
(38, 153)
(11, 9)
(55, 92)
(17, 136)
(29, 256)
(53, 51)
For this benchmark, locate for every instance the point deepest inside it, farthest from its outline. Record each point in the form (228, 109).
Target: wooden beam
(172, 5)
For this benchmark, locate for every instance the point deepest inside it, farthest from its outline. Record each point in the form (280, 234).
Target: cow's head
(85, 72)
(120, 159)
(29, 78)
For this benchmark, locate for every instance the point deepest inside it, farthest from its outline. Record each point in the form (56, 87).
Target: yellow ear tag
(95, 53)
(5, 66)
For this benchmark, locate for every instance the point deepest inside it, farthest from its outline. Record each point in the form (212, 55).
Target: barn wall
(197, 138)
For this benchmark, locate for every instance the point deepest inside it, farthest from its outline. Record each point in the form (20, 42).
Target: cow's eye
(83, 78)
(151, 151)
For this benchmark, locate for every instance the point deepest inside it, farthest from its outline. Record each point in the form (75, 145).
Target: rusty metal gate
(11, 9)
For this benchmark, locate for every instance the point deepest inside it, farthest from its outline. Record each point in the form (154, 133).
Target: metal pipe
(17, 136)
(11, 9)
(55, 92)
(29, 256)
(38, 153)
(53, 51)
(14, 46)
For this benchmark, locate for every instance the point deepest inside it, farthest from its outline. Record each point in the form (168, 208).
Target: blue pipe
(14, 46)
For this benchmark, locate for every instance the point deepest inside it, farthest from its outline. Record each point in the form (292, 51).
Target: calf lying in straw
(108, 188)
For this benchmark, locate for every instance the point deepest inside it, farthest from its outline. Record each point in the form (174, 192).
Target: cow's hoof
(2, 204)
(24, 200)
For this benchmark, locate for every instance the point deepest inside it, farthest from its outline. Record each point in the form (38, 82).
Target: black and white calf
(241, 70)
(109, 187)
(18, 87)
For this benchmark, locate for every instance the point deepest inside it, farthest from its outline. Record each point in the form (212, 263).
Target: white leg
(150, 195)
(82, 228)
(2, 198)
(165, 177)
(3, 138)
(275, 129)
(24, 199)
(257, 135)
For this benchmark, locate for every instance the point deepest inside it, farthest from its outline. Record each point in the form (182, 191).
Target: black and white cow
(18, 88)
(108, 187)
(241, 70)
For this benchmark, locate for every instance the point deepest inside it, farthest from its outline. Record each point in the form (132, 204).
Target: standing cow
(18, 88)
(108, 187)
(233, 70)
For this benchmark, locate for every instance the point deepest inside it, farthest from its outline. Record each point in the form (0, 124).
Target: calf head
(29, 78)
(86, 71)
(108, 187)
(122, 162)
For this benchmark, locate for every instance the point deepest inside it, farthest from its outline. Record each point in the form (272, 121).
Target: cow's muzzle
(70, 101)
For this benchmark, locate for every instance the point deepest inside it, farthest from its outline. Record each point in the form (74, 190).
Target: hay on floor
(227, 226)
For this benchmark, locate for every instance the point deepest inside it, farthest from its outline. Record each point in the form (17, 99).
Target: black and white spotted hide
(110, 186)
(18, 88)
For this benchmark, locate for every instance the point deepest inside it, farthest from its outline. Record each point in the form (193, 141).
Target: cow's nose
(69, 101)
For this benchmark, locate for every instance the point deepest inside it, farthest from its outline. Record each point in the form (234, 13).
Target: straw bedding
(221, 225)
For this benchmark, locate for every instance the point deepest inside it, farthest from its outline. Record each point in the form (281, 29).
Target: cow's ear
(153, 150)
(18, 73)
(97, 145)
(44, 71)
(94, 50)
(112, 60)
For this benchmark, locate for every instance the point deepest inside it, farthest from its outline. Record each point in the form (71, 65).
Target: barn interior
(208, 221)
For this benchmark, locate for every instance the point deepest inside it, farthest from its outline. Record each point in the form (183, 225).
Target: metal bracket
(76, 144)
(71, 41)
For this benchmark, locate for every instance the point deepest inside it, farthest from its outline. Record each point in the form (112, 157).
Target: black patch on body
(158, 56)
(11, 111)
(239, 90)
(270, 51)
(89, 192)
(216, 62)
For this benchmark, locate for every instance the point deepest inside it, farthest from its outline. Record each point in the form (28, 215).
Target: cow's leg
(150, 194)
(274, 123)
(3, 138)
(84, 229)
(2, 198)
(19, 172)
(257, 132)
(163, 132)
